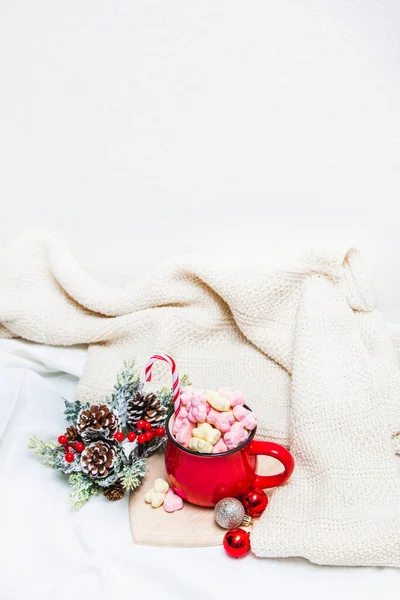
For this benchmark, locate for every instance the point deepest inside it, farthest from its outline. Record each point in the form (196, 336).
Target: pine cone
(72, 434)
(135, 410)
(97, 421)
(155, 411)
(98, 459)
(114, 492)
(147, 407)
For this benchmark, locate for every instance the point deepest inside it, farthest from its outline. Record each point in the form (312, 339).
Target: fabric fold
(342, 504)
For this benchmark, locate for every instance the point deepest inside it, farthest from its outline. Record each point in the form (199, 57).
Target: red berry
(160, 431)
(69, 457)
(142, 438)
(79, 447)
(149, 436)
(147, 426)
(119, 436)
(63, 439)
(141, 424)
(132, 436)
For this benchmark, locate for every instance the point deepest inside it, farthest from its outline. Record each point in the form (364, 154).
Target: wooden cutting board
(192, 526)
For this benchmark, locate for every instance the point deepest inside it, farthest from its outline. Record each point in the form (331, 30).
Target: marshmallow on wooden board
(156, 500)
(207, 432)
(172, 502)
(156, 495)
(160, 486)
(245, 416)
(198, 445)
(217, 401)
(221, 420)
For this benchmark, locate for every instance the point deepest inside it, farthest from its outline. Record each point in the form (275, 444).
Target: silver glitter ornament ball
(229, 513)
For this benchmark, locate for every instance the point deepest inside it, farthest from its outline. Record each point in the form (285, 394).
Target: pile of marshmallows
(162, 495)
(212, 422)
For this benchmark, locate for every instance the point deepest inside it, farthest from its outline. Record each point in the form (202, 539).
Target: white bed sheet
(50, 551)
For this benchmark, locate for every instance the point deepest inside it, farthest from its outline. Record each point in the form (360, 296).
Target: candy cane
(176, 388)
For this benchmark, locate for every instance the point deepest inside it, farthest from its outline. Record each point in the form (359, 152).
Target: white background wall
(138, 128)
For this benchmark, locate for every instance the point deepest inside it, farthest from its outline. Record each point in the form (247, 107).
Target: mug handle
(278, 452)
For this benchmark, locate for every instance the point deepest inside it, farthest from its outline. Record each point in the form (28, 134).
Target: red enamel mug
(204, 479)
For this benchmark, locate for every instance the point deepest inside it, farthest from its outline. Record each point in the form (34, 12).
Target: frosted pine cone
(135, 410)
(98, 459)
(155, 412)
(97, 421)
(147, 407)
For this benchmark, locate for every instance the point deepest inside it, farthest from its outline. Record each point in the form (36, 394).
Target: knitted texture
(298, 335)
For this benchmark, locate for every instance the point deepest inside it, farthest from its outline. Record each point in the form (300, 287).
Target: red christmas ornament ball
(255, 502)
(132, 436)
(142, 438)
(146, 426)
(237, 542)
(69, 457)
(79, 447)
(160, 431)
(63, 439)
(141, 424)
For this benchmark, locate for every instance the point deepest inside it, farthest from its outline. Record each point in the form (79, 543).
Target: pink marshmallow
(234, 396)
(220, 446)
(187, 394)
(186, 401)
(221, 420)
(235, 436)
(245, 416)
(172, 501)
(180, 420)
(185, 433)
(182, 428)
(198, 409)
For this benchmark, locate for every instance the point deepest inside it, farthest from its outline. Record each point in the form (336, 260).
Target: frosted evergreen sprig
(133, 475)
(83, 489)
(166, 395)
(66, 467)
(46, 451)
(72, 410)
(127, 386)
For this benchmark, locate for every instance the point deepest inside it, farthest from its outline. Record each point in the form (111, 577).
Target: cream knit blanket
(299, 336)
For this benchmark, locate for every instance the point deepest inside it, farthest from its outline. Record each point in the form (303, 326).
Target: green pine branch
(46, 451)
(185, 380)
(165, 395)
(72, 410)
(83, 489)
(132, 476)
(128, 384)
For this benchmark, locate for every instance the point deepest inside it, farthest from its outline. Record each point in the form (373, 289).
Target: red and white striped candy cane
(176, 388)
